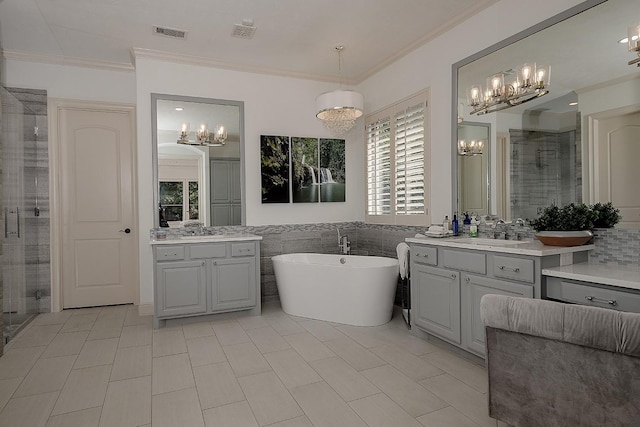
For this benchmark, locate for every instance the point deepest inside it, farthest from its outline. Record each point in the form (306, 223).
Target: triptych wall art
(302, 170)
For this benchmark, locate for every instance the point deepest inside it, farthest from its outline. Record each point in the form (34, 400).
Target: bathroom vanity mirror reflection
(198, 160)
(473, 164)
(549, 150)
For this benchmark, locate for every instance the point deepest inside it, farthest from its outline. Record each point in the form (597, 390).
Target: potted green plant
(573, 224)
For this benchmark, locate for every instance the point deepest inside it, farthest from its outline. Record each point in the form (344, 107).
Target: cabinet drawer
(513, 268)
(218, 250)
(243, 249)
(466, 261)
(425, 255)
(169, 253)
(593, 295)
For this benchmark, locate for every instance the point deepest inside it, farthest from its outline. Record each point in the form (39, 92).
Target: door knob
(126, 230)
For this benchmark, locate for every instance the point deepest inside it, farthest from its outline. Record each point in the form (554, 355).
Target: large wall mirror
(198, 159)
(577, 143)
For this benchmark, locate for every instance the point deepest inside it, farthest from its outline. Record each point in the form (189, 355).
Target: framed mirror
(548, 150)
(198, 160)
(473, 161)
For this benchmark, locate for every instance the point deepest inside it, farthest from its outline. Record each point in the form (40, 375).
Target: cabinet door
(236, 192)
(181, 288)
(220, 182)
(473, 288)
(233, 284)
(220, 215)
(436, 296)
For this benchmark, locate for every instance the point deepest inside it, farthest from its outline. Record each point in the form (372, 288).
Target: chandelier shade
(339, 109)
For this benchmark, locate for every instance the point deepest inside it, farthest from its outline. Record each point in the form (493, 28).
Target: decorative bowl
(564, 238)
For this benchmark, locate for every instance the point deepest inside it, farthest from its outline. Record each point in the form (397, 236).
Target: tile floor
(108, 367)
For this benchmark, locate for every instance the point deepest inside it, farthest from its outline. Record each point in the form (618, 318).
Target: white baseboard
(145, 309)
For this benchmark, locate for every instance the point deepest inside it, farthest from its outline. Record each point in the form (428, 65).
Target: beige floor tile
(32, 411)
(171, 373)
(7, 388)
(380, 411)
(36, 336)
(80, 322)
(131, 362)
(323, 331)
(302, 421)
(283, 324)
(169, 341)
(47, 375)
(366, 337)
(268, 398)
(354, 354)
(136, 335)
(229, 332)
(446, 417)
(127, 403)
(102, 331)
(232, 415)
(412, 366)
(96, 353)
(17, 362)
(178, 408)
(466, 371)
(465, 399)
(291, 368)
(405, 392)
(85, 388)
(57, 318)
(267, 340)
(66, 344)
(85, 418)
(114, 314)
(252, 322)
(324, 407)
(197, 330)
(308, 346)
(400, 338)
(245, 359)
(132, 318)
(344, 379)
(205, 351)
(217, 385)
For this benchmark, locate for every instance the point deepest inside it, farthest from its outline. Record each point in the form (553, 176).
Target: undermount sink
(488, 242)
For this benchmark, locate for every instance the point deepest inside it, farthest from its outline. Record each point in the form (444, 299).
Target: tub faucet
(344, 244)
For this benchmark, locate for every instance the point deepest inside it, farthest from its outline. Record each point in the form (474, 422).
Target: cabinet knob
(453, 276)
(468, 280)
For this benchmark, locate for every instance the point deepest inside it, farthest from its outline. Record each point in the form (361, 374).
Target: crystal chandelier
(528, 83)
(339, 109)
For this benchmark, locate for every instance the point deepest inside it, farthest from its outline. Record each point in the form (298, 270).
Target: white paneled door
(616, 161)
(97, 204)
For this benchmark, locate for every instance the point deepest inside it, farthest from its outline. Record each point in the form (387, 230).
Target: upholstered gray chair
(553, 364)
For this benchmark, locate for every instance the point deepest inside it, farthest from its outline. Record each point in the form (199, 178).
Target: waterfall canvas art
(314, 172)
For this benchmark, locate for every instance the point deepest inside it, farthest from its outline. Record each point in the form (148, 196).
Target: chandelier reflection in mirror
(634, 43)
(507, 89)
(203, 136)
(470, 147)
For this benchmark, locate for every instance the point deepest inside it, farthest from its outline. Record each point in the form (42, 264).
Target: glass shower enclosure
(24, 194)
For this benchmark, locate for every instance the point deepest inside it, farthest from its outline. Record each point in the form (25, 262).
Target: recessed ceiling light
(626, 39)
(573, 103)
(179, 108)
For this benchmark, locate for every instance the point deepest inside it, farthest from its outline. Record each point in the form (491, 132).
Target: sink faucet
(343, 243)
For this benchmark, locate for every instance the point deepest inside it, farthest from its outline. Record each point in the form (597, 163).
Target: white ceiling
(293, 37)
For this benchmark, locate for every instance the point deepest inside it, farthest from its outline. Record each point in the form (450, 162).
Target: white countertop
(214, 238)
(625, 276)
(527, 247)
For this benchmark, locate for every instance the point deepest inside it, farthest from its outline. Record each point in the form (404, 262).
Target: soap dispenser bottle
(445, 223)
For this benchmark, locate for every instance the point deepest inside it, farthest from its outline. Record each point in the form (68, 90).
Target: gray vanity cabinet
(206, 278)
(473, 288)
(436, 301)
(182, 288)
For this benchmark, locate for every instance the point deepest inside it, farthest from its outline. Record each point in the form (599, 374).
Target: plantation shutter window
(396, 155)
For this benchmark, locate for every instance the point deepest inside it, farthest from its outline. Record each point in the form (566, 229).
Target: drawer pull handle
(453, 276)
(601, 300)
(514, 269)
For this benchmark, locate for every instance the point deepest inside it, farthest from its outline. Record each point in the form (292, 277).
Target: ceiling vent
(169, 32)
(246, 30)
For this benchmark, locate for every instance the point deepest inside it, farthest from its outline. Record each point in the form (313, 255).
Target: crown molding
(66, 60)
(204, 62)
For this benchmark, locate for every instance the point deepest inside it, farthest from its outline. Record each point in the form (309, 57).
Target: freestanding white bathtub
(349, 289)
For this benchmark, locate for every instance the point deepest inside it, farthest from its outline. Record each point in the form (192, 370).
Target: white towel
(437, 229)
(403, 259)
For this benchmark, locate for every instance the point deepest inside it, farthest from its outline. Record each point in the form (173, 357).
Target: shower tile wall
(544, 171)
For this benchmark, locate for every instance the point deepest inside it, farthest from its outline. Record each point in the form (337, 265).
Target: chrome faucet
(343, 243)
